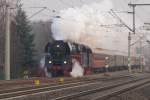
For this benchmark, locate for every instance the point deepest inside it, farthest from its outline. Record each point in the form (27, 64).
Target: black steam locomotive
(58, 60)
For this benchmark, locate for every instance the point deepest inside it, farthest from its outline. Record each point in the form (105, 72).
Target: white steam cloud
(91, 25)
(77, 70)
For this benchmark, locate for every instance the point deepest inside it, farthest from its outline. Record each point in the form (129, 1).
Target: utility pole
(133, 19)
(141, 57)
(129, 55)
(129, 39)
(133, 6)
(7, 43)
(148, 54)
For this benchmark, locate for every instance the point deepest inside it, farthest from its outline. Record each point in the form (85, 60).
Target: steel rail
(122, 89)
(55, 88)
(101, 89)
(73, 82)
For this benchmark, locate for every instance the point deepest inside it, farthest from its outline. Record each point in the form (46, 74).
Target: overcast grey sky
(142, 14)
(57, 5)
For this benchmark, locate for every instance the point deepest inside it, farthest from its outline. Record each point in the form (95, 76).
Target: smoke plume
(91, 25)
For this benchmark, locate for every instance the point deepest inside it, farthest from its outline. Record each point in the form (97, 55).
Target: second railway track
(4, 94)
(69, 91)
(104, 93)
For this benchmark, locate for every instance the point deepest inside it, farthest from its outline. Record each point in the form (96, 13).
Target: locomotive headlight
(58, 46)
(65, 62)
(50, 62)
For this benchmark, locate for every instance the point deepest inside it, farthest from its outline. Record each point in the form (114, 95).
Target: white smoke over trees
(91, 25)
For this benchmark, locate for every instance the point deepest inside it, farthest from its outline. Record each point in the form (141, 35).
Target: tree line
(27, 43)
(22, 46)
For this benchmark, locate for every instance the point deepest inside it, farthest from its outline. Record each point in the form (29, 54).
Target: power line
(133, 6)
(37, 12)
(137, 41)
(117, 17)
(38, 7)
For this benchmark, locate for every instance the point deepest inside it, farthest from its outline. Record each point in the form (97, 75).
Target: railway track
(12, 84)
(59, 92)
(106, 92)
(43, 81)
(33, 86)
(121, 89)
(18, 92)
